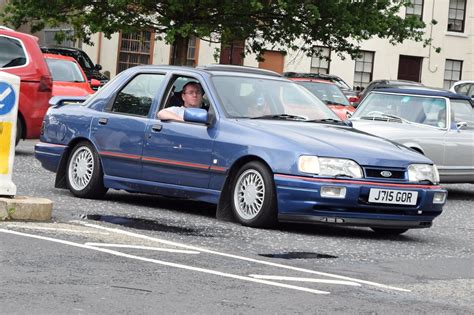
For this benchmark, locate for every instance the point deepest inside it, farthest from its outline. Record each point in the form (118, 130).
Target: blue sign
(7, 98)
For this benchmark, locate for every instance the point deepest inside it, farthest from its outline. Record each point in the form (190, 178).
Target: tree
(289, 24)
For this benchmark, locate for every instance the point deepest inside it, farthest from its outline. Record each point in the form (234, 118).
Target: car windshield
(257, 98)
(427, 110)
(328, 93)
(64, 70)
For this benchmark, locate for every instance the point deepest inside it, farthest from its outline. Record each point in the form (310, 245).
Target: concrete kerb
(24, 208)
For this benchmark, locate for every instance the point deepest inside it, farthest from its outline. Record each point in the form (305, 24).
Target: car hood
(395, 131)
(339, 141)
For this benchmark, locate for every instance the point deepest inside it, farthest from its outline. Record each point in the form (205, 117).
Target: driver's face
(192, 96)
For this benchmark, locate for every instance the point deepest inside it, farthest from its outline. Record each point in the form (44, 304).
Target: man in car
(192, 98)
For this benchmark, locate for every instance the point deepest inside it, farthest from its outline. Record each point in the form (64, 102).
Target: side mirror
(95, 83)
(197, 115)
(98, 67)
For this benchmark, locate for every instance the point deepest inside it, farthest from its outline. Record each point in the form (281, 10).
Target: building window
(452, 72)
(49, 37)
(231, 54)
(185, 51)
(320, 64)
(456, 15)
(135, 49)
(364, 66)
(416, 9)
(192, 53)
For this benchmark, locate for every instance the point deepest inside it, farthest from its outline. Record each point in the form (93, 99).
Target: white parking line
(54, 229)
(299, 279)
(169, 264)
(204, 250)
(169, 250)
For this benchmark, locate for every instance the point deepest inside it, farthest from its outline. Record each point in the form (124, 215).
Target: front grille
(371, 172)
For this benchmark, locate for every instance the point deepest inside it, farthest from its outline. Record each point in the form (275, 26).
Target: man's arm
(166, 114)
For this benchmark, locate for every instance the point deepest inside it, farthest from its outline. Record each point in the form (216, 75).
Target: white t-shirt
(178, 110)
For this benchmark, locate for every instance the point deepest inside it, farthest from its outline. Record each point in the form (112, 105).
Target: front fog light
(439, 197)
(333, 192)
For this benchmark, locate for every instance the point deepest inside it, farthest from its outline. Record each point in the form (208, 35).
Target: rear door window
(12, 53)
(137, 96)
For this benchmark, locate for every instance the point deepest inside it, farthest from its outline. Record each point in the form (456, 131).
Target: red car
(330, 94)
(68, 77)
(20, 55)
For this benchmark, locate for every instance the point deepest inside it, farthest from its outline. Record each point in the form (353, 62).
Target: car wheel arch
(60, 181)
(224, 207)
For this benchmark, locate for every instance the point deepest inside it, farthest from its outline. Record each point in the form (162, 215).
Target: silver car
(436, 123)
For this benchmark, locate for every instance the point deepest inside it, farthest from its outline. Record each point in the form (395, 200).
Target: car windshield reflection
(255, 98)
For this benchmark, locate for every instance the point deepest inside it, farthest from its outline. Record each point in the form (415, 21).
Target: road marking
(54, 229)
(5, 94)
(180, 251)
(169, 264)
(299, 279)
(263, 262)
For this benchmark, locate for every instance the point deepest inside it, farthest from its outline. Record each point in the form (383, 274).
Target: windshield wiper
(282, 117)
(327, 120)
(328, 102)
(387, 117)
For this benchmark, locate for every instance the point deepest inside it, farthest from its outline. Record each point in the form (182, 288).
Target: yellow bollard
(9, 93)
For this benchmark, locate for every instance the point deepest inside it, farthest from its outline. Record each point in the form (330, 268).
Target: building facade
(453, 33)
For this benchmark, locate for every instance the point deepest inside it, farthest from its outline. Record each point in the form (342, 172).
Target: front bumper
(299, 200)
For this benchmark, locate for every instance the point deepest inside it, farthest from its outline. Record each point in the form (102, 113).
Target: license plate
(398, 197)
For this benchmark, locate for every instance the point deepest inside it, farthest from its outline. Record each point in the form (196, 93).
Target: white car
(464, 87)
(436, 123)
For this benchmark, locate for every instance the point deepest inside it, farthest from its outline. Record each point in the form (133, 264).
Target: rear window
(12, 53)
(64, 70)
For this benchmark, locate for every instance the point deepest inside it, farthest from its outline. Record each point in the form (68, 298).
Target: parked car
(330, 94)
(91, 70)
(262, 148)
(436, 123)
(383, 84)
(20, 55)
(345, 88)
(68, 77)
(464, 88)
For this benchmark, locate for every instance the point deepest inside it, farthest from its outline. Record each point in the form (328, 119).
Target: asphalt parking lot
(134, 253)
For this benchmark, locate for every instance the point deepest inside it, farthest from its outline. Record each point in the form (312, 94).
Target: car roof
(396, 82)
(62, 57)
(425, 91)
(212, 70)
(63, 48)
(312, 80)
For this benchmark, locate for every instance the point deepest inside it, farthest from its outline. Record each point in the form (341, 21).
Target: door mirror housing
(197, 115)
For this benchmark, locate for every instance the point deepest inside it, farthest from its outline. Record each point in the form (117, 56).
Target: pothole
(299, 255)
(144, 224)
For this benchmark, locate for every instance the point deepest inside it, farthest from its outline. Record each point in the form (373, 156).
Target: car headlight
(423, 172)
(329, 166)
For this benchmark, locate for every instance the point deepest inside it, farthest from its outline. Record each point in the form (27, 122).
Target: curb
(25, 208)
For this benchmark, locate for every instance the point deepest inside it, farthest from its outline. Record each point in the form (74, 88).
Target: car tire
(19, 130)
(388, 232)
(84, 175)
(253, 196)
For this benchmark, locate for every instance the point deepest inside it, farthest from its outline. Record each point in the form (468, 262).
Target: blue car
(260, 147)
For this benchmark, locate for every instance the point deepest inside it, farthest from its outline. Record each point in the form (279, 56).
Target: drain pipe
(431, 37)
